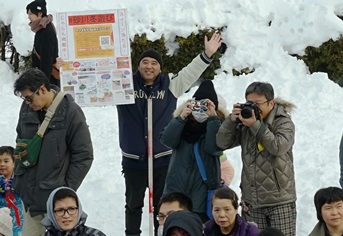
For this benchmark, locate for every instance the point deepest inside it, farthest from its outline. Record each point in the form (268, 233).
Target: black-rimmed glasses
(161, 217)
(70, 210)
(30, 98)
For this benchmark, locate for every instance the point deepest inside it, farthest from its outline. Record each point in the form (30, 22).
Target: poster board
(96, 49)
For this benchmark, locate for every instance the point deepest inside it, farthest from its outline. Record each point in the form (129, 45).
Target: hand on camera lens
(248, 121)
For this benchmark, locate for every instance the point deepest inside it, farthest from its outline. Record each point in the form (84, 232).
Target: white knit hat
(5, 222)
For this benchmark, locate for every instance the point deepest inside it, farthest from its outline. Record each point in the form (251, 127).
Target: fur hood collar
(288, 106)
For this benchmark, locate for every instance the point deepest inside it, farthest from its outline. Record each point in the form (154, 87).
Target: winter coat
(65, 157)
(267, 175)
(133, 118)
(183, 172)
(319, 230)
(15, 198)
(241, 228)
(46, 45)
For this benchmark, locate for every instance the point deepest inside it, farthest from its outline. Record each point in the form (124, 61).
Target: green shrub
(326, 58)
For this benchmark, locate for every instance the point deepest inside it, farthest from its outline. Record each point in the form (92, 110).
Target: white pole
(150, 169)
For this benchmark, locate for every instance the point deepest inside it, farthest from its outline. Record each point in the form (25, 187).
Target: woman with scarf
(65, 215)
(194, 127)
(45, 47)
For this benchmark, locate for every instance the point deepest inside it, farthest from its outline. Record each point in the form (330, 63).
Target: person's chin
(67, 227)
(35, 108)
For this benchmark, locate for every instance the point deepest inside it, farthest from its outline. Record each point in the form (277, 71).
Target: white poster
(96, 49)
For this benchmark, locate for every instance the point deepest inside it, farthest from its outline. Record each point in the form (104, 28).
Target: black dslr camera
(199, 105)
(247, 109)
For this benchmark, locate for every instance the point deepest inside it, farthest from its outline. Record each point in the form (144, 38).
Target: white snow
(295, 24)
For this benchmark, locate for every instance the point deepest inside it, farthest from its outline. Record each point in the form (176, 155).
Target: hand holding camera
(245, 113)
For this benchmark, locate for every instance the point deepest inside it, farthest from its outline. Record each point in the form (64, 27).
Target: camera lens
(246, 112)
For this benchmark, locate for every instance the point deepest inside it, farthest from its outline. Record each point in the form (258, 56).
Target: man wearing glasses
(66, 153)
(169, 203)
(268, 184)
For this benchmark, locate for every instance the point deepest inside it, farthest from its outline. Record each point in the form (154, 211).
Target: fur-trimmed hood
(289, 107)
(222, 112)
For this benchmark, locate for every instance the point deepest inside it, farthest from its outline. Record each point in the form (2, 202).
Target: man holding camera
(264, 130)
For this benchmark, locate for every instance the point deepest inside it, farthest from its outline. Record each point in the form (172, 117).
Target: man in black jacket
(66, 152)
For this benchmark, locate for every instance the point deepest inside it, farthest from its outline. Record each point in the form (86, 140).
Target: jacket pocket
(276, 179)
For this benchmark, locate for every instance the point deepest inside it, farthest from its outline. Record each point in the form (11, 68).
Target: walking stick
(150, 169)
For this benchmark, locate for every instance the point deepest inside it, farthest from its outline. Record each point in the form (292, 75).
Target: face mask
(160, 230)
(199, 116)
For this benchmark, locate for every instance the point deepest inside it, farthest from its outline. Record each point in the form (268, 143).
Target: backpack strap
(199, 162)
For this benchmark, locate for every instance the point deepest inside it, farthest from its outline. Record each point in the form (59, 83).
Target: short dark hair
(271, 232)
(7, 150)
(326, 195)
(31, 79)
(226, 193)
(184, 201)
(263, 88)
(64, 193)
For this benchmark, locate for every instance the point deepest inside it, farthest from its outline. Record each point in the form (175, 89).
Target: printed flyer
(96, 49)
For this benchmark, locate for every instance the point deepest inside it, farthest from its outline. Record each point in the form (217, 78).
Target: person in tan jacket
(263, 128)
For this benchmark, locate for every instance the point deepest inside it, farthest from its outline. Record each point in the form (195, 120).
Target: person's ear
(271, 103)
(43, 89)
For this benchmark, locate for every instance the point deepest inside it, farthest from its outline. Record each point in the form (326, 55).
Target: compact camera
(247, 109)
(199, 105)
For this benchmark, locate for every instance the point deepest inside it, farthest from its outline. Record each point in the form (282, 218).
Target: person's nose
(334, 211)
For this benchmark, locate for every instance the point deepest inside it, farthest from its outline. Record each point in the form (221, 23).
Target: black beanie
(37, 6)
(206, 90)
(153, 54)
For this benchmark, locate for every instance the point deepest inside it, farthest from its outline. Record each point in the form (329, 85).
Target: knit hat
(206, 90)
(5, 222)
(37, 6)
(185, 220)
(153, 54)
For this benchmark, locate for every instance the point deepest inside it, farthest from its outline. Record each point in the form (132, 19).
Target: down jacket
(65, 158)
(183, 172)
(268, 175)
